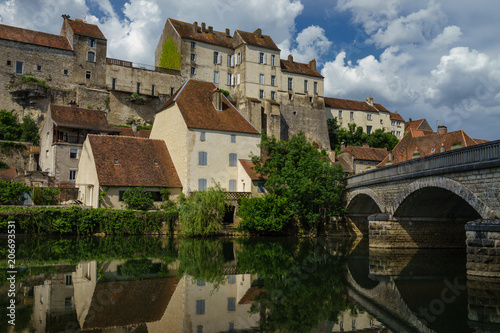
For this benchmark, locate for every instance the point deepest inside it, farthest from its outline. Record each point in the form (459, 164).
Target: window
(315, 87)
(153, 90)
(231, 326)
(200, 307)
(310, 99)
(68, 303)
(351, 115)
(233, 138)
(69, 280)
(19, 67)
(202, 184)
(199, 329)
(73, 153)
(120, 195)
(39, 68)
(381, 121)
(87, 75)
(398, 133)
(273, 95)
(262, 58)
(261, 79)
(117, 162)
(156, 195)
(193, 44)
(46, 153)
(65, 72)
(230, 60)
(261, 93)
(138, 87)
(273, 80)
(232, 159)
(340, 113)
(91, 42)
(238, 79)
(238, 58)
(193, 71)
(393, 123)
(260, 187)
(9, 63)
(200, 283)
(231, 304)
(72, 174)
(290, 83)
(216, 77)
(231, 279)
(305, 85)
(202, 158)
(232, 185)
(193, 57)
(90, 56)
(202, 136)
(113, 84)
(273, 60)
(290, 96)
(171, 91)
(368, 130)
(368, 117)
(230, 79)
(217, 58)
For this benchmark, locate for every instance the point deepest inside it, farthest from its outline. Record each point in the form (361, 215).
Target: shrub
(138, 199)
(3, 166)
(269, 213)
(11, 193)
(45, 196)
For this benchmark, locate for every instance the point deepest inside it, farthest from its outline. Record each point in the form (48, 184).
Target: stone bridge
(426, 202)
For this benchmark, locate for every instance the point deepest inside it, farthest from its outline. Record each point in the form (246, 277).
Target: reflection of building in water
(358, 322)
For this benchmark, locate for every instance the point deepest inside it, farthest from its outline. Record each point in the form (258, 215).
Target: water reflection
(140, 284)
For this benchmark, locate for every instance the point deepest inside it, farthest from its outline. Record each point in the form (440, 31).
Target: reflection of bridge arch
(442, 186)
(358, 201)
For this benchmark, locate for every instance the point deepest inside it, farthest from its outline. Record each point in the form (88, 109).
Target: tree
(9, 127)
(266, 214)
(381, 139)
(354, 136)
(11, 193)
(333, 133)
(170, 57)
(29, 130)
(302, 174)
(138, 199)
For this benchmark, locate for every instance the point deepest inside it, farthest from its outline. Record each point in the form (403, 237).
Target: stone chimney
(442, 129)
(203, 27)
(312, 64)
(65, 16)
(217, 99)
(195, 27)
(210, 30)
(416, 154)
(391, 156)
(342, 146)
(258, 33)
(134, 128)
(409, 120)
(442, 149)
(366, 145)
(228, 32)
(369, 100)
(290, 58)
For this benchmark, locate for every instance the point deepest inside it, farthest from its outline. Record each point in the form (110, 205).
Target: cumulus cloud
(310, 43)
(450, 35)
(371, 14)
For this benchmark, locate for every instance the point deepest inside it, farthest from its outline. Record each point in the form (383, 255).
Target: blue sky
(437, 60)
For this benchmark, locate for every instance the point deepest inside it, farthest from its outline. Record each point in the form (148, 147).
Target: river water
(148, 284)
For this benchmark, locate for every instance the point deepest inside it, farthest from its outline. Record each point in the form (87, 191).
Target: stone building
(356, 159)
(397, 125)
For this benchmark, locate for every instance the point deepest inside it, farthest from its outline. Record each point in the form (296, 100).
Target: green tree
(170, 57)
(333, 133)
(302, 174)
(29, 130)
(353, 136)
(138, 199)
(9, 127)
(269, 213)
(11, 193)
(45, 196)
(382, 139)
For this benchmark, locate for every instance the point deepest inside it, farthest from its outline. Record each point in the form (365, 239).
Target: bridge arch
(446, 185)
(358, 201)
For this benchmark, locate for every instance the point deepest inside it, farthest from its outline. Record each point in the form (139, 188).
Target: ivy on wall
(170, 56)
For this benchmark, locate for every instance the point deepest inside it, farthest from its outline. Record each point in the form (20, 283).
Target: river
(152, 284)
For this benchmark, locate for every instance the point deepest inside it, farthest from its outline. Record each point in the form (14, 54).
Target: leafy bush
(269, 213)
(3, 166)
(45, 196)
(11, 193)
(10, 129)
(138, 199)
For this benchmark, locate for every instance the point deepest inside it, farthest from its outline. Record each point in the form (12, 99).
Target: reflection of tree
(302, 284)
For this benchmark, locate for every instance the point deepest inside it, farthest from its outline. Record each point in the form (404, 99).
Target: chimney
(290, 58)
(134, 128)
(369, 100)
(312, 64)
(442, 149)
(366, 145)
(391, 156)
(258, 33)
(228, 32)
(203, 27)
(409, 120)
(442, 129)
(195, 27)
(217, 99)
(416, 154)
(210, 30)
(342, 146)
(65, 16)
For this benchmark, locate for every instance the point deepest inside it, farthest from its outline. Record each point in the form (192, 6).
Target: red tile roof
(251, 294)
(252, 38)
(85, 29)
(298, 68)
(248, 167)
(194, 100)
(396, 116)
(420, 124)
(75, 117)
(127, 131)
(366, 153)
(8, 174)
(34, 37)
(141, 162)
(428, 143)
(186, 30)
(348, 104)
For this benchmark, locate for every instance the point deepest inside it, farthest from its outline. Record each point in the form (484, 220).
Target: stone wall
(484, 303)
(19, 157)
(483, 248)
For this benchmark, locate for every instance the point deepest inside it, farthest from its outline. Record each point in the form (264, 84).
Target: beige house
(247, 175)
(397, 125)
(109, 165)
(206, 136)
(62, 136)
(370, 116)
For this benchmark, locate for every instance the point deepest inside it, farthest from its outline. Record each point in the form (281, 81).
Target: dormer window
(90, 56)
(156, 163)
(91, 42)
(117, 162)
(217, 100)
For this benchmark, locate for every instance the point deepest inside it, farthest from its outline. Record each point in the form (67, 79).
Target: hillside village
(194, 117)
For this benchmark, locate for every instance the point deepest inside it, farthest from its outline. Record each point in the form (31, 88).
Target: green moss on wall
(170, 56)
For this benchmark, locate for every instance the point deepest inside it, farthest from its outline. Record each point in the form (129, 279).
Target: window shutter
(238, 79)
(232, 61)
(220, 59)
(232, 80)
(265, 58)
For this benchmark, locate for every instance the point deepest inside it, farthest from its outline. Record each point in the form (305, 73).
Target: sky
(438, 60)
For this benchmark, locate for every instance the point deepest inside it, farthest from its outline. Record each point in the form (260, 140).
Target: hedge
(78, 221)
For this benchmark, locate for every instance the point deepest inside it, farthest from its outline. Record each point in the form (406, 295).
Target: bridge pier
(483, 248)
(386, 231)
(484, 303)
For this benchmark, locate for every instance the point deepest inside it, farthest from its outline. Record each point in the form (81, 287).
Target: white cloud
(450, 35)
(310, 43)
(371, 14)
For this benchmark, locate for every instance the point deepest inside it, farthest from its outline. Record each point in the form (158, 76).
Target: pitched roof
(366, 153)
(252, 38)
(8, 174)
(75, 117)
(130, 302)
(85, 29)
(339, 103)
(428, 143)
(127, 131)
(141, 162)
(248, 167)
(34, 37)
(194, 100)
(251, 294)
(187, 30)
(396, 116)
(419, 124)
(298, 68)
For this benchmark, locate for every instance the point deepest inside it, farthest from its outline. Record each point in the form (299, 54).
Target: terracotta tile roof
(366, 153)
(248, 167)
(262, 41)
(345, 166)
(396, 116)
(428, 143)
(8, 174)
(251, 294)
(186, 30)
(85, 29)
(34, 37)
(194, 100)
(339, 103)
(136, 161)
(129, 302)
(127, 131)
(75, 117)
(420, 124)
(298, 68)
